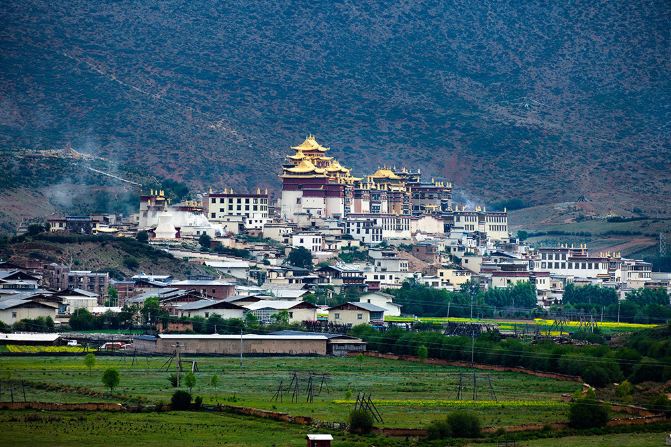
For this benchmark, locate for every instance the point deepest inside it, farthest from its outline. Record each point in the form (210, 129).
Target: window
(13, 314)
(207, 314)
(337, 316)
(359, 316)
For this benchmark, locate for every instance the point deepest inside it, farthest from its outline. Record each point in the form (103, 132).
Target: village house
(206, 308)
(352, 313)
(298, 311)
(206, 287)
(383, 300)
(16, 309)
(451, 277)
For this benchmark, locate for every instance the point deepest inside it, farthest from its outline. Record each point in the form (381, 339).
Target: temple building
(314, 183)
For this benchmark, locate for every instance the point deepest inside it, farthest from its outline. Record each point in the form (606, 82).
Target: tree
(251, 321)
(522, 235)
(81, 320)
(300, 257)
(205, 240)
(113, 296)
(151, 310)
(644, 297)
(214, 381)
(142, 236)
(111, 378)
(90, 361)
(280, 318)
(360, 421)
(180, 400)
(190, 380)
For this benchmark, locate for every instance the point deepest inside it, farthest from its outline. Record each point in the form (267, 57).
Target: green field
(408, 394)
(29, 429)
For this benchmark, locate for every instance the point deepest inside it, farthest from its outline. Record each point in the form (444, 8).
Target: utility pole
(448, 309)
(178, 364)
(475, 392)
(618, 310)
(241, 347)
(602, 314)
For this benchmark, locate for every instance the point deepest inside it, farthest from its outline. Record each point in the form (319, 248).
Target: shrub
(180, 400)
(439, 430)
(624, 390)
(662, 404)
(464, 424)
(422, 353)
(360, 421)
(131, 263)
(588, 413)
(173, 380)
(648, 369)
(197, 402)
(596, 376)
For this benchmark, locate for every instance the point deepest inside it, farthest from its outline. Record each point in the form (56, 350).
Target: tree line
(645, 356)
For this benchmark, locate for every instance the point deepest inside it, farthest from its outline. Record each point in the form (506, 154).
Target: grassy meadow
(407, 394)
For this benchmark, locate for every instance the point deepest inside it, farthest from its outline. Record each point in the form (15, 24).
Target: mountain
(545, 102)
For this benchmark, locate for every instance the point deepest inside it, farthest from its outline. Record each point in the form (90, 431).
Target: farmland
(408, 394)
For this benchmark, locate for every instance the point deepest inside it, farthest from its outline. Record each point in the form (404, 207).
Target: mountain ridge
(545, 103)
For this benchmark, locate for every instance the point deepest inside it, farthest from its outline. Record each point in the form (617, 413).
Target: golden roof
(310, 144)
(335, 166)
(299, 155)
(304, 167)
(385, 173)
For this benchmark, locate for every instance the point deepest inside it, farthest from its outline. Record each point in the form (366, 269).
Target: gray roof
(365, 306)
(204, 304)
(10, 304)
(81, 292)
(369, 307)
